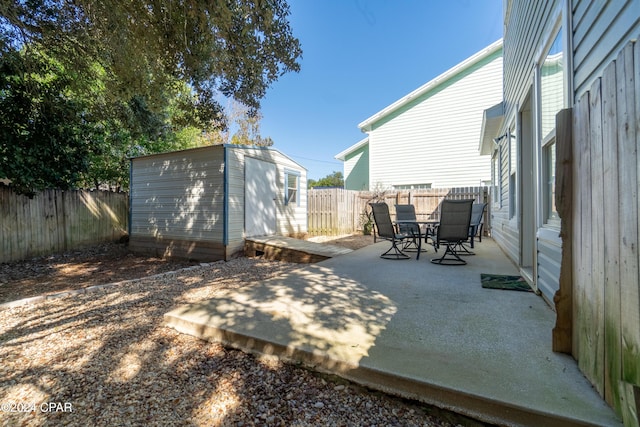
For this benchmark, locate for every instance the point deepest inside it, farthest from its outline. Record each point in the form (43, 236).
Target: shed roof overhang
(492, 121)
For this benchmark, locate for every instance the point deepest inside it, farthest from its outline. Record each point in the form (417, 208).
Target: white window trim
(562, 23)
(297, 174)
(513, 170)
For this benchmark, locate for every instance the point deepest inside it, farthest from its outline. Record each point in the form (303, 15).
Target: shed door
(260, 195)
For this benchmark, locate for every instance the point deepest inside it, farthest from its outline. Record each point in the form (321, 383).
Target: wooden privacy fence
(55, 221)
(336, 211)
(605, 229)
(332, 212)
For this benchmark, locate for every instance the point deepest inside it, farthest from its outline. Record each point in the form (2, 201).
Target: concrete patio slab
(413, 329)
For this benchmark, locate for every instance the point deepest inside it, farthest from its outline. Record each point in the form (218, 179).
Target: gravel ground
(102, 264)
(103, 358)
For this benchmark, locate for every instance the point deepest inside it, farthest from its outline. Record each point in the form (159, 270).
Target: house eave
(367, 124)
(492, 121)
(343, 154)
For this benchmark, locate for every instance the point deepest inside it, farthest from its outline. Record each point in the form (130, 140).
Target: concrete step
(292, 250)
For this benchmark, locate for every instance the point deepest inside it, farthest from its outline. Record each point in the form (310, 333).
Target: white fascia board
(365, 126)
(343, 154)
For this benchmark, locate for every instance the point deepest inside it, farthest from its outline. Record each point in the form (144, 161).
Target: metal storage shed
(202, 203)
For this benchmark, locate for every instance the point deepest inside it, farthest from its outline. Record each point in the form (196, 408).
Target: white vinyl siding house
(356, 166)
(587, 53)
(429, 137)
(519, 219)
(594, 33)
(600, 30)
(202, 203)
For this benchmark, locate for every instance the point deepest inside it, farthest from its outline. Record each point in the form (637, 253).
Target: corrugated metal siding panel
(178, 196)
(435, 140)
(600, 31)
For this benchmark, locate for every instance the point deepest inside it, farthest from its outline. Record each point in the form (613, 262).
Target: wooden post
(563, 299)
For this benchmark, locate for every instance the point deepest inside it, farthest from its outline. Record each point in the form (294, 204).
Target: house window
(412, 187)
(512, 195)
(551, 86)
(513, 167)
(496, 177)
(549, 156)
(552, 100)
(292, 188)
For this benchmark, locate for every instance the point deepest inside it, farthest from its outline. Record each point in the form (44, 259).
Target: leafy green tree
(236, 47)
(131, 129)
(335, 179)
(130, 78)
(247, 127)
(45, 140)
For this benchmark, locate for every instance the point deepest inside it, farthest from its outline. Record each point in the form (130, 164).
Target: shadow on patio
(413, 329)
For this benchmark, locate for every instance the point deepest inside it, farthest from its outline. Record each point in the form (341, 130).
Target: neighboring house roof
(366, 125)
(343, 154)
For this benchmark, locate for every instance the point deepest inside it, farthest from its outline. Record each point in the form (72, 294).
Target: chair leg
(431, 235)
(394, 252)
(453, 259)
(462, 250)
(413, 244)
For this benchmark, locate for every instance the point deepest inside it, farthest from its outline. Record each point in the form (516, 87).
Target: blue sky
(359, 56)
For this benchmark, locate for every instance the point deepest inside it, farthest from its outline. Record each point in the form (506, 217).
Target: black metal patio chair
(477, 215)
(475, 227)
(387, 231)
(453, 230)
(408, 213)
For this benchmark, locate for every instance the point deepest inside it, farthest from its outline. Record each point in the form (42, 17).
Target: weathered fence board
(627, 76)
(595, 291)
(331, 211)
(336, 211)
(55, 221)
(611, 244)
(606, 232)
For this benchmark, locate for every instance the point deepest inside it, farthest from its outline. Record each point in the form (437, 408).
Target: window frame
(548, 215)
(287, 196)
(424, 186)
(551, 216)
(513, 170)
(496, 172)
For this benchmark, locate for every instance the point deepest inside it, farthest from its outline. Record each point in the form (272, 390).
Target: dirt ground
(106, 263)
